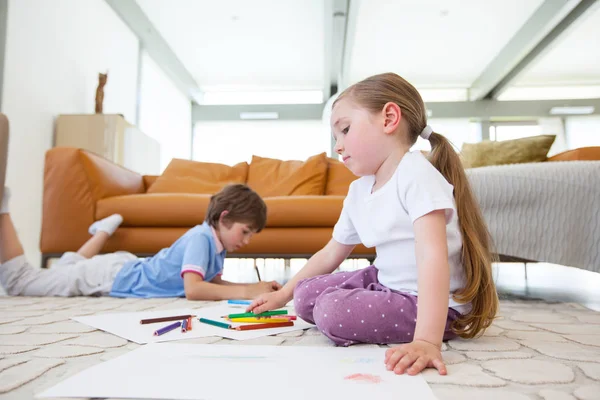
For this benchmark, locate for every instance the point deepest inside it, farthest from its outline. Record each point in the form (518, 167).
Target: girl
(432, 279)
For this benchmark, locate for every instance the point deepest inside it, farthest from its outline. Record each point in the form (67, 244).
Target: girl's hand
(414, 357)
(268, 302)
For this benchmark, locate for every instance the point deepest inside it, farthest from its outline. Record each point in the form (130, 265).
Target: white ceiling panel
(433, 43)
(573, 59)
(245, 45)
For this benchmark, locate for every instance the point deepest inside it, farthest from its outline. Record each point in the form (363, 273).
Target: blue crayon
(243, 302)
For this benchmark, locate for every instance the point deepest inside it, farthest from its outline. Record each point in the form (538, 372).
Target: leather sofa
(304, 201)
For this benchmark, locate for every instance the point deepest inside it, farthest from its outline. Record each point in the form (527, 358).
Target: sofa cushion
(185, 176)
(271, 177)
(187, 210)
(339, 178)
(524, 150)
(580, 154)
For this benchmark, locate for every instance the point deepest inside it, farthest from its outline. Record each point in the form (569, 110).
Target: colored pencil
(164, 319)
(263, 326)
(243, 302)
(251, 314)
(268, 320)
(288, 317)
(189, 325)
(215, 323)
(184, 325)
(167, 328)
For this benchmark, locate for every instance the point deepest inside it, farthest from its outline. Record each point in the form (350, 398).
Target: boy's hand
(259, 288)
(267, 302)
(414, 357)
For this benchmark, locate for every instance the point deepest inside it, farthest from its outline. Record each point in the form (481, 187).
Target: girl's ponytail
(477, 256)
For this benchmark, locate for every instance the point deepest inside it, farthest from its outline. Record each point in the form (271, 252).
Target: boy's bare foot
(108, 225)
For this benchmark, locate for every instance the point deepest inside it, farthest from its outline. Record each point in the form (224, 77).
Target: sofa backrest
(270, 177)
(186, 176)
(339, 178)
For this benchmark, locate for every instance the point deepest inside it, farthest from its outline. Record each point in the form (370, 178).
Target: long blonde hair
(477, 255)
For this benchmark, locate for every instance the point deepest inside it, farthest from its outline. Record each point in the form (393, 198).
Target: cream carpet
(535, 350)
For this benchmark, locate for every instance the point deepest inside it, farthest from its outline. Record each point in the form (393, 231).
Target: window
(508, 131)
(231, 142)
(165, 113)
(583, 131)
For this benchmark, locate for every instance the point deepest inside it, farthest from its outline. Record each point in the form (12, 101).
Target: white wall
(54, 52)
(165, 113)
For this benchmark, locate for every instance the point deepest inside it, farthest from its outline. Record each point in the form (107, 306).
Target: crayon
(215, 323)
(263, 326)
(167, 328)
(268, 320)
(184, 326)
(164, 319)
(243, 302)
(251, 314)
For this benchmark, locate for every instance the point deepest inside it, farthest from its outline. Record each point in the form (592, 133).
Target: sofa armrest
(149, 180)
(74, 180)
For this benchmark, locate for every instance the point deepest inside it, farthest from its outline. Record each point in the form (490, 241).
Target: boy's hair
(477, 255)
(242, 204)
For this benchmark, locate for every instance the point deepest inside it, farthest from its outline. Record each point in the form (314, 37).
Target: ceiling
(245, 45)
(573, 60)
(452, 50)
(434, 43)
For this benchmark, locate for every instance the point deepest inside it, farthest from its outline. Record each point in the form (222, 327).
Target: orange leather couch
(81, 187)
(304, 201)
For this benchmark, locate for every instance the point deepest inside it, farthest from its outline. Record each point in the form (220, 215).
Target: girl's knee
(304, 300)
(307, 294)
(328, 314)
(304, 309)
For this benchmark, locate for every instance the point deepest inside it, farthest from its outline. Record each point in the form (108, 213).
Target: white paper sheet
(221, 372)
(127, 325)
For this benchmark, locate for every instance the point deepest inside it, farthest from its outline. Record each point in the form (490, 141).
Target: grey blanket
(547, 212)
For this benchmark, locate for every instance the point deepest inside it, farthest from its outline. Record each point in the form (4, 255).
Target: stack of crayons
(250, 321)
(183, 321)
(266, 320)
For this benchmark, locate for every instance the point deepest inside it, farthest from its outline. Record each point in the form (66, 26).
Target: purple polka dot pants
(353, 307)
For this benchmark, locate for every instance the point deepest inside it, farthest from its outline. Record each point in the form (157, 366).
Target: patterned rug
(535, 349)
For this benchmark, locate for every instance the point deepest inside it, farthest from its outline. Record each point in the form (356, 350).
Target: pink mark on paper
(366, 378)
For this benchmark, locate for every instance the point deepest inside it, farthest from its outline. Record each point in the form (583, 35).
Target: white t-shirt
(385, 218)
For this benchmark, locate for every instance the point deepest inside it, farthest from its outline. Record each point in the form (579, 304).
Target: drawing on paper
(366, 378)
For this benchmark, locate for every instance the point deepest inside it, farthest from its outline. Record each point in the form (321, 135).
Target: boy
(191, 267)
